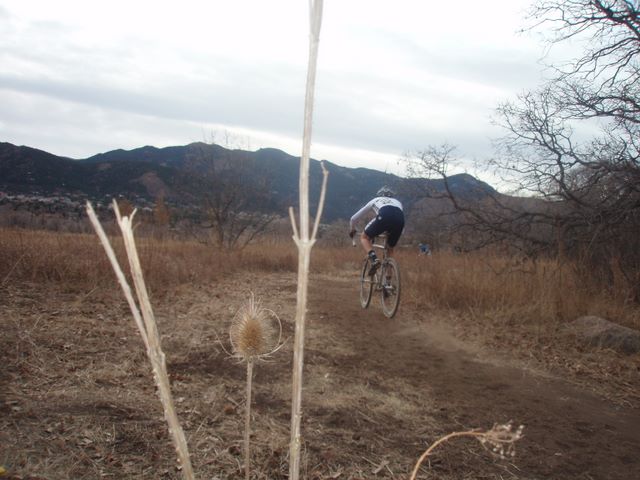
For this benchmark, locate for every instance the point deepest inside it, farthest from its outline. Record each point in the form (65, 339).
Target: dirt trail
(77, 400)
(570, 433)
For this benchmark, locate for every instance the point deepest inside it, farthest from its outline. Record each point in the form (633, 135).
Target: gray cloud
(165, 92)
(504, 66)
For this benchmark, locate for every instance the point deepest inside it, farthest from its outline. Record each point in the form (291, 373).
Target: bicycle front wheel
(366, 284)
(390, 292)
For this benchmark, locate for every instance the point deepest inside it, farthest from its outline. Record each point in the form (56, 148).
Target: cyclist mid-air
(389, 218)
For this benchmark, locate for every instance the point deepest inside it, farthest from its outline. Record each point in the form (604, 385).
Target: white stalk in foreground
(303, 241)
(146, 324)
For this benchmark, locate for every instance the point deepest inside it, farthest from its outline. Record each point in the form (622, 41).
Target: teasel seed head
(252, 333)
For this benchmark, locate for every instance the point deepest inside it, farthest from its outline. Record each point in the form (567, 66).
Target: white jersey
(374, 207)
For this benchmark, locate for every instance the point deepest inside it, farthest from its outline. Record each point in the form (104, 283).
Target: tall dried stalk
(303, 241)
(252, 337)
(147, 326)
(500, 439)
(247, 421)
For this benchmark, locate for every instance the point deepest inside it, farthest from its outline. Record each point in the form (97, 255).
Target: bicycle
(386, 280)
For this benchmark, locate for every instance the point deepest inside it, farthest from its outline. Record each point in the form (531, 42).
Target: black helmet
(386, 192)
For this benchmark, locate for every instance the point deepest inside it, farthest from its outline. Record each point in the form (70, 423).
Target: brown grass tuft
(525, 290)
(77, 260)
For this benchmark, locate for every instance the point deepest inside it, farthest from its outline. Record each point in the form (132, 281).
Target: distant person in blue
(424, 249)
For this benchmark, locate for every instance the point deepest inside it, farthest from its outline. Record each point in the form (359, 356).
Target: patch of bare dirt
(77, 399)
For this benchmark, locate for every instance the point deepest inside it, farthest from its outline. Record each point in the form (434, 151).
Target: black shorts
(390, 219)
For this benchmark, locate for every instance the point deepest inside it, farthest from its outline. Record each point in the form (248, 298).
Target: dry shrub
(481, 283)
(331, 259)
(40, 256)
(77, 260)
(274, 257)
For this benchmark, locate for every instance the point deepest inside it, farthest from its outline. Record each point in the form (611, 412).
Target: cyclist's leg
(367, 243)
(374, 228)
(394, 225)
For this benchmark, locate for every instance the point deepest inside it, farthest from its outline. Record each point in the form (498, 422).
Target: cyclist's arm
(360, 214)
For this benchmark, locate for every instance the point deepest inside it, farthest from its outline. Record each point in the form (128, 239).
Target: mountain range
(180, 174)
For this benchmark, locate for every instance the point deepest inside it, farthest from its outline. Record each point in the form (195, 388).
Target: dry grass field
(479, 339)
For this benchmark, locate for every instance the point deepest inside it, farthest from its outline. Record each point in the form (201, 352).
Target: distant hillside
(180, 173)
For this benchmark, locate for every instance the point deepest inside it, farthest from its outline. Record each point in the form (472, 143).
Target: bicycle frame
(385, 280)
(382, 246)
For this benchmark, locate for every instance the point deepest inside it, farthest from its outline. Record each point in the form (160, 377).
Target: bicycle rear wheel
(366, 284)
(390, 292)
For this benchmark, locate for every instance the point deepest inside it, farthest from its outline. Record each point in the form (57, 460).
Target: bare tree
(232, 194)
(574, 143)
(467, 219)
(547, 146)
(161, 214)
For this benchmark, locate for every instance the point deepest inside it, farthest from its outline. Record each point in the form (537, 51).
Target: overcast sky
(79, 78)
